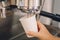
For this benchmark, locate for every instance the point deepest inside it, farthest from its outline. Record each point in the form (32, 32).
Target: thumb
(34, 34)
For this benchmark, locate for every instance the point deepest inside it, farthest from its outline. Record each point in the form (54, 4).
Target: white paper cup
(29, 24)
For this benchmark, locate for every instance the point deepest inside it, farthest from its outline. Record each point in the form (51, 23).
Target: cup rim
(26, 17)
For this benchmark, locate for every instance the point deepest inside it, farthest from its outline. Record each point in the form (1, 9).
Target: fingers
(40, 24)
(34, 34)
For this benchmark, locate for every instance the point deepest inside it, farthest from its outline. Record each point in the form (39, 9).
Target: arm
(43, 33)
(55, 38)
(50, 37)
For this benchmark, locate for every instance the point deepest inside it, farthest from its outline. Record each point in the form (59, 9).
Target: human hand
(43, 33)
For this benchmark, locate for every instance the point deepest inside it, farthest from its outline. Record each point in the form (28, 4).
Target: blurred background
(14, 7)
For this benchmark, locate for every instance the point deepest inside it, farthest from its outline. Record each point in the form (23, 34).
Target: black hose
(55, 17)
(2, 0)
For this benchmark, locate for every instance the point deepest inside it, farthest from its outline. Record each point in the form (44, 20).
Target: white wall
(56, 10)
(48, 8)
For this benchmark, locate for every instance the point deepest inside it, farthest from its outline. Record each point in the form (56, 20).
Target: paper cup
(29, 24)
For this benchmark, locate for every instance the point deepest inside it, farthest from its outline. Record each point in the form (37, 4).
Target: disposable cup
(29, 24)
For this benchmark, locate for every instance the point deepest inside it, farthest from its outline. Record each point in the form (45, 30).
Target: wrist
(57, 38)
(49, 37)
(53, 37)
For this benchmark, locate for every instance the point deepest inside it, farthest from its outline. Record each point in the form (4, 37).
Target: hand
(43, 33)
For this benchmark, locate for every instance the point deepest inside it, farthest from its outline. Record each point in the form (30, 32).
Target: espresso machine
(26, 6)
(38, 7)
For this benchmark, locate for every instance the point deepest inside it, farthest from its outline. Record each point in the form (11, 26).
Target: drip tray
(22, 36)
